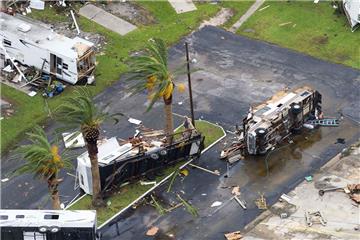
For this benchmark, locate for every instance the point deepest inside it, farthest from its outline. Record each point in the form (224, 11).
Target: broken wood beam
(206, 170)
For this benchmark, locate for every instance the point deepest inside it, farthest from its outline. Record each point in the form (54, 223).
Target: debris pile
(354, 192)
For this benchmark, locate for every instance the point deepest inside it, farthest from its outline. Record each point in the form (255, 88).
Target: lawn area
(314, 30)
(131, 192)
(170, 27)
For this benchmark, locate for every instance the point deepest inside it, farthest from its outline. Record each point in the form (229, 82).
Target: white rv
(35, 44)
(47, 224)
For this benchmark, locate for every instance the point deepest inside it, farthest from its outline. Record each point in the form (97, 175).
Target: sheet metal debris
(216, 204)
(315, 218)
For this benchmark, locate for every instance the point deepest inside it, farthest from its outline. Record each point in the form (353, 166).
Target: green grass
(318, 31)
(129, 193)
(170, 26)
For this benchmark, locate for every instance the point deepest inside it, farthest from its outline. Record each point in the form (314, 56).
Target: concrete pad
(106, 19)
(340, 212)
(182, 6)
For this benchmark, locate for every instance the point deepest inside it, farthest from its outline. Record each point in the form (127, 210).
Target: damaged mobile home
(351, 9)
(35, 44)
(269, 123)
(144, 154)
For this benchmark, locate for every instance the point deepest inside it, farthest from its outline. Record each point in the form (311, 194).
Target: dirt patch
(221, 17)
(7, 108)
(321, 39)
(129, 11)
(342, 57)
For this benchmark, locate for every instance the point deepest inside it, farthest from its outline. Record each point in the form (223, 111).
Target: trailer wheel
(261, 132)
(163, 152)
(154, 156)
(296, 109)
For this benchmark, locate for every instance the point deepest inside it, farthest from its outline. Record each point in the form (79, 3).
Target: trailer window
(34, 236)
(4, 217)
(7, 42)
(65, 66)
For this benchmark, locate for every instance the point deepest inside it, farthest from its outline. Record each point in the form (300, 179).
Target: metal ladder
(328, 122)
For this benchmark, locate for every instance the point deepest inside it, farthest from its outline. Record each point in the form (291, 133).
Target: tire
(154, 156)
(296, 109)
(163, 152)
(261, 132)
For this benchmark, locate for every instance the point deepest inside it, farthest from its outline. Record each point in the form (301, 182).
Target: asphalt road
(235, 72)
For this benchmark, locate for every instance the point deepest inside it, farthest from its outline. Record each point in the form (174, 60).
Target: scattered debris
(264, 8)
(314, 217)
(152, 231)
(283, 215)
(134, 121)
(144, 183)
(261, 202)
(75, 22)
(216, 172)
(174, 207)
(180, 103)
(323, 191)
(236, 191)
(340, 140)
(73, 140)
(309, 178)
(157, 205)
(283, 24)
(216, 204)
(233, 235)
(4, 180)
(184, 172)
(285, 197)
(354, 190)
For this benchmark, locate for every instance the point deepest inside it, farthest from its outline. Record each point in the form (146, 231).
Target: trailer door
(56, 65)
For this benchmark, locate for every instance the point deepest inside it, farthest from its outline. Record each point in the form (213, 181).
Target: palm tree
(151, 73)
(44, 161)
(80, 111)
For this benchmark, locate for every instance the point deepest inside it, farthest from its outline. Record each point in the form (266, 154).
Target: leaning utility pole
(189, 82)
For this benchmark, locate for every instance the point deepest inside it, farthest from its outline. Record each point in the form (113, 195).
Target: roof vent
(24, 27)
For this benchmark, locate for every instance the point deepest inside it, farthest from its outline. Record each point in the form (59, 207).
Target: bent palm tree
(151, 72)
(80, 111)
(44, 161)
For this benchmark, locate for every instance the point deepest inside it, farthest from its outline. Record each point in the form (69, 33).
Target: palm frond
(42, 158)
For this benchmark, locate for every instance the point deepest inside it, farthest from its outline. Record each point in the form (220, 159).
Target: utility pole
(189, 83)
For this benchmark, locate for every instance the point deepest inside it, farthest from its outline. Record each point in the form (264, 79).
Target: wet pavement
(235, 72)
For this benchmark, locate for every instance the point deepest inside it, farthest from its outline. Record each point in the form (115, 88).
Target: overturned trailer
(269, 123)
(143, 155)
(33, 43)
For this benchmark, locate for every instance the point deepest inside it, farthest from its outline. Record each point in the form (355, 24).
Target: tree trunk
(169, 125)
(96, 185)
(53, 189)
(2, 5)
